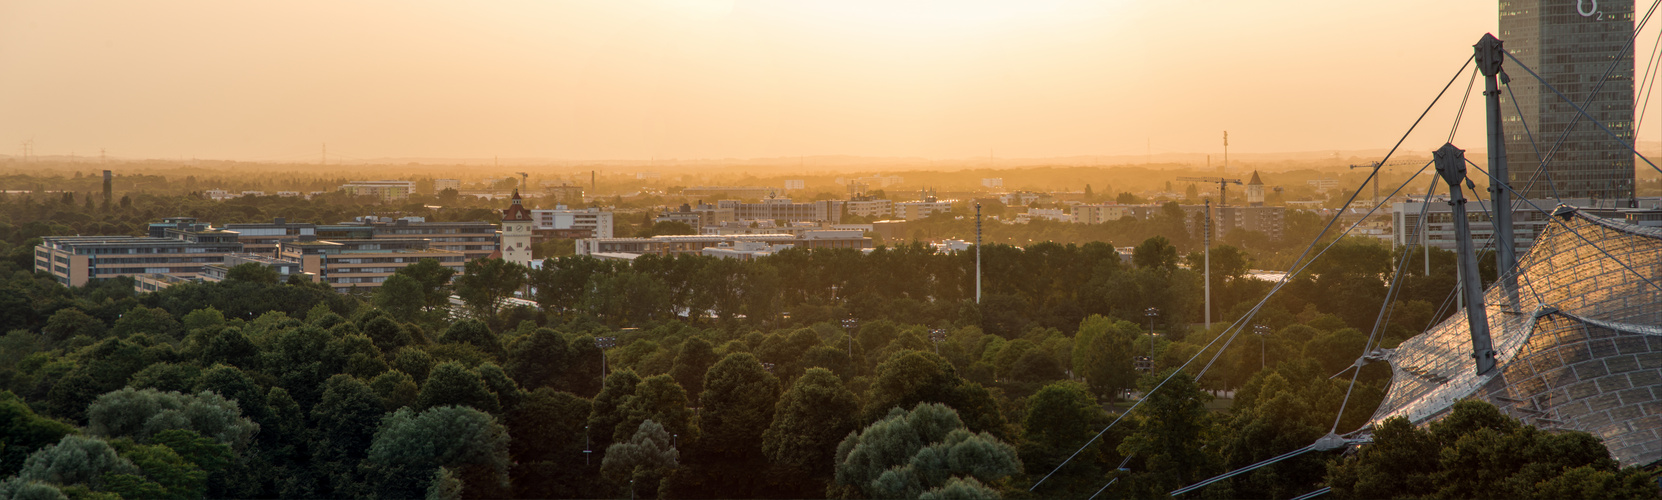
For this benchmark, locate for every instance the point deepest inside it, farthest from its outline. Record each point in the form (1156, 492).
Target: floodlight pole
(1490, 54)
(978, 253)
(1451, 165)
(1206, 249)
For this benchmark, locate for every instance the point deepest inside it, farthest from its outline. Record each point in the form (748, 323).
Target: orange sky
(710, 79)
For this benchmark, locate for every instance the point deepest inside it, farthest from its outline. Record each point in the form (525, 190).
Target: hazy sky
(709, 79)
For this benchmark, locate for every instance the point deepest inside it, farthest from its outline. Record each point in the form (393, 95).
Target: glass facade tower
(1570, 43)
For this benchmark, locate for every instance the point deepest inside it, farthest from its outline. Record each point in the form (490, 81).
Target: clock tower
(515, 246)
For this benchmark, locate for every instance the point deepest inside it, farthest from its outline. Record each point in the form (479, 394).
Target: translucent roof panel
(1578, 348)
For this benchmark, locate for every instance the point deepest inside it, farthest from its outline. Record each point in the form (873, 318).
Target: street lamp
(586, 451)
(937, 336)
(1263, 359)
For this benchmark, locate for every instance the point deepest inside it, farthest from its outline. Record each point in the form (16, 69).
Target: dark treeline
(805, 374)
(726, 379)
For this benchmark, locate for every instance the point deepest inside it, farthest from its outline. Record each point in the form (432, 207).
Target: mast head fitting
(1489, 54)
(1451, 163)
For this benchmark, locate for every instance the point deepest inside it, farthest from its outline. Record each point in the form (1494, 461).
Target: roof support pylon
(1451, 165)
(1490, 55)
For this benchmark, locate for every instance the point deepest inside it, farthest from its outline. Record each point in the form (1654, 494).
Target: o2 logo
(1590, 11)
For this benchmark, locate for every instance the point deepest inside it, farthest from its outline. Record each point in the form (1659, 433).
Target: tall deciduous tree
(484, 283)
(434, 279)
(809, 421)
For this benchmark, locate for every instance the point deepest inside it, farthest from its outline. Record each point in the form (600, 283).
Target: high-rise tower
(1570, 43)
(516, 233)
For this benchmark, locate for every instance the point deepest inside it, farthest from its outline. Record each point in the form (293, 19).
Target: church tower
(515, 246)
(1255, 191)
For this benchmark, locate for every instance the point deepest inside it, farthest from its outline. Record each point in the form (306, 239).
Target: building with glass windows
(1571, 44)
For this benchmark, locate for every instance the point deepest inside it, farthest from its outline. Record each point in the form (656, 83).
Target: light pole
(1151, 313)
(937, 336)
(604, 343)
(849, 324)
(1263, 359)
(587, 452)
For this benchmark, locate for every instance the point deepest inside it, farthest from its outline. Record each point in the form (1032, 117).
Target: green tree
(434, 279)
(401, 296)
(473, 332)
(1061, 417)
(642, 460)
(912, 377)
(22, 432)
(75, 460)
(142, 413)
(1478, 452)
(1102, 355)
(455, 437)
(151, 320)
(809, 421)
(691, 363)
(453, 383)
(1155, 252)
(346, 419)
(252, 272)
(610, 407)
(659, 399)
(1170, 441)
(71, 322)
(537, 360)
(484, 284)
(910, 453)
(738, 404)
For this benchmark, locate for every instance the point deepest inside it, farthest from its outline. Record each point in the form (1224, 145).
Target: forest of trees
(828, 373)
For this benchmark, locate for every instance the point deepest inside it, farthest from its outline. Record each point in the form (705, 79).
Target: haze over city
(695, 79)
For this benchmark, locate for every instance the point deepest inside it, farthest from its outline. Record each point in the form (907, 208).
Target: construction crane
(1376, 181)
(522, 179)
(1222, 183)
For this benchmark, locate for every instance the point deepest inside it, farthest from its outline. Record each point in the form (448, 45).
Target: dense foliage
(806, 374)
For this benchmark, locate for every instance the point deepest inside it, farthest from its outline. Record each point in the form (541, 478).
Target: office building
(387, 190)
(782, 209)
(869, 208)
(73, 260)
(1572, 45)
(439, 185)
(910, 210)
(261, 238)
(1527, 221)
(218, 272)
(363, 263)
(571, 224)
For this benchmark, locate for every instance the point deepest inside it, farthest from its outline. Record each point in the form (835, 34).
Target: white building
(993, 182)
(1020, 198)
(516, 233)
(743, 250)
(870, 208)
(386, 190)
(795, 185)
(909, 210)
(439, 185)
(564, 223)
(1054, 214)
